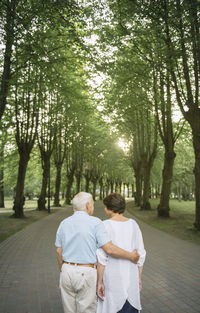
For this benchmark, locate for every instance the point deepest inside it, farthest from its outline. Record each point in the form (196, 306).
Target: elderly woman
(119, 281)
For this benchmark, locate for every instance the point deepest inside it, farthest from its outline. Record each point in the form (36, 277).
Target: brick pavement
(29, 275)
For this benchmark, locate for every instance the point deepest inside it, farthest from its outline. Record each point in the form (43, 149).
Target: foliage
(94, 72)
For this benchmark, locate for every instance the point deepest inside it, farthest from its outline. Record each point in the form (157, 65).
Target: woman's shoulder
(134, 223)
(109, 221)
(127, 222)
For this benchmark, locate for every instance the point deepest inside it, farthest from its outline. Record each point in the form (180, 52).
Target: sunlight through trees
(100, 96)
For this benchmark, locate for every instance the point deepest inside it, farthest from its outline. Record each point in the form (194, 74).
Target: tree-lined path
(29, 274)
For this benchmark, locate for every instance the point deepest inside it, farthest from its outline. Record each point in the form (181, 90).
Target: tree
(59, 156)
(183, 181)
(163, 108)
(179, 31)
(135, 118)
(4, 125)
(71, 167)
(46, 136)
(26, 114)
(2, 205)
(8, 19)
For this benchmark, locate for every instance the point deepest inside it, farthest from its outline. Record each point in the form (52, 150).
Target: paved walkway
(29, 275)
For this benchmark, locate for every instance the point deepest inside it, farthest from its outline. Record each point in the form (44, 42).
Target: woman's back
(121, 277)
(122, 233)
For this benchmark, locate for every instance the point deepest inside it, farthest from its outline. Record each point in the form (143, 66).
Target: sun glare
(123, 145)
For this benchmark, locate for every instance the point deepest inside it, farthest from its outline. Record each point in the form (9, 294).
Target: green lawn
(9, 226)
(29, 204)
(180, 224)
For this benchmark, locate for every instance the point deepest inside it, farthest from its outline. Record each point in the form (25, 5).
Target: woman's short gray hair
(80, 200)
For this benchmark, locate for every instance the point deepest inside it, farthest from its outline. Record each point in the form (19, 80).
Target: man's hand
(117, 252)
(135, 256)
(140, 285)
(100, 291)
(59, 258)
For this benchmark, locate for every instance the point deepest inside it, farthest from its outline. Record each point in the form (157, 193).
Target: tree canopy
(77, 78)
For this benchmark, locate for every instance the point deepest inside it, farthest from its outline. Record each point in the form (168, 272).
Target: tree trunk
(178, 192)
(167, 174)
(19, 196)
(132, 190)
(63, 195)
(138, 185)
(78, 182)
(196, 144)
(68, 195)
(111, 186)
(128, 190)
(151, 194)
(157, 190)
(2, 204)
(57, 185)
(185, 193)
(94, 189)
(87, 182)
(45, 178)
(101, 189)
(104, 192)
(107, 188)
(9, 29)
(146, 190)
(120, 187)
(124, 187)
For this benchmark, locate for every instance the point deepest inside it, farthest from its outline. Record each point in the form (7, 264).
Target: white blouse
(121, 277)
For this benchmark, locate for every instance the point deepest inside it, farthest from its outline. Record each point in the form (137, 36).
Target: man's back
(79, 236)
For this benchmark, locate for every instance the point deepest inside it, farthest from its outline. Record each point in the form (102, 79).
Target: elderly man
(77, 240)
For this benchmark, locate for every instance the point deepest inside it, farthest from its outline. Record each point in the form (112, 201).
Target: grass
(29, 204)
(180, 223)
(9, 226)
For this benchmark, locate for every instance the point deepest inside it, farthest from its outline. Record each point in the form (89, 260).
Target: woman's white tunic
(121, 277)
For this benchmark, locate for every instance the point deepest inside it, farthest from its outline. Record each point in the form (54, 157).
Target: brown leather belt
(78, 264)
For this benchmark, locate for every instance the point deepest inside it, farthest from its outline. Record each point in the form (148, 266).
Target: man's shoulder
(95, 219)
(66, 220)
(91, 218)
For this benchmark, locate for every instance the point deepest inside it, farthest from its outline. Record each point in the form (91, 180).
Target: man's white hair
(80, 200)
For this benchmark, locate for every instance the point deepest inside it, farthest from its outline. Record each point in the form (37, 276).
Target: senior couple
(103, 258)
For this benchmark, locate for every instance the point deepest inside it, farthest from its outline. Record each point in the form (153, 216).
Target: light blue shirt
(79, 236)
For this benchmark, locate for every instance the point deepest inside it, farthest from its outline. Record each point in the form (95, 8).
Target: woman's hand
(100, 291)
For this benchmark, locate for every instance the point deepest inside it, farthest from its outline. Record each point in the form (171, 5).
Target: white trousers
(78, 289)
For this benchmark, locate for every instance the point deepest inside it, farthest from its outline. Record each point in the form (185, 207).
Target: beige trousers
(78, 289)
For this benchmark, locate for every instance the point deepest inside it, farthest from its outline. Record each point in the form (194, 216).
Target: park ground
(9, 226)
(179, 225)
(29, 273)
